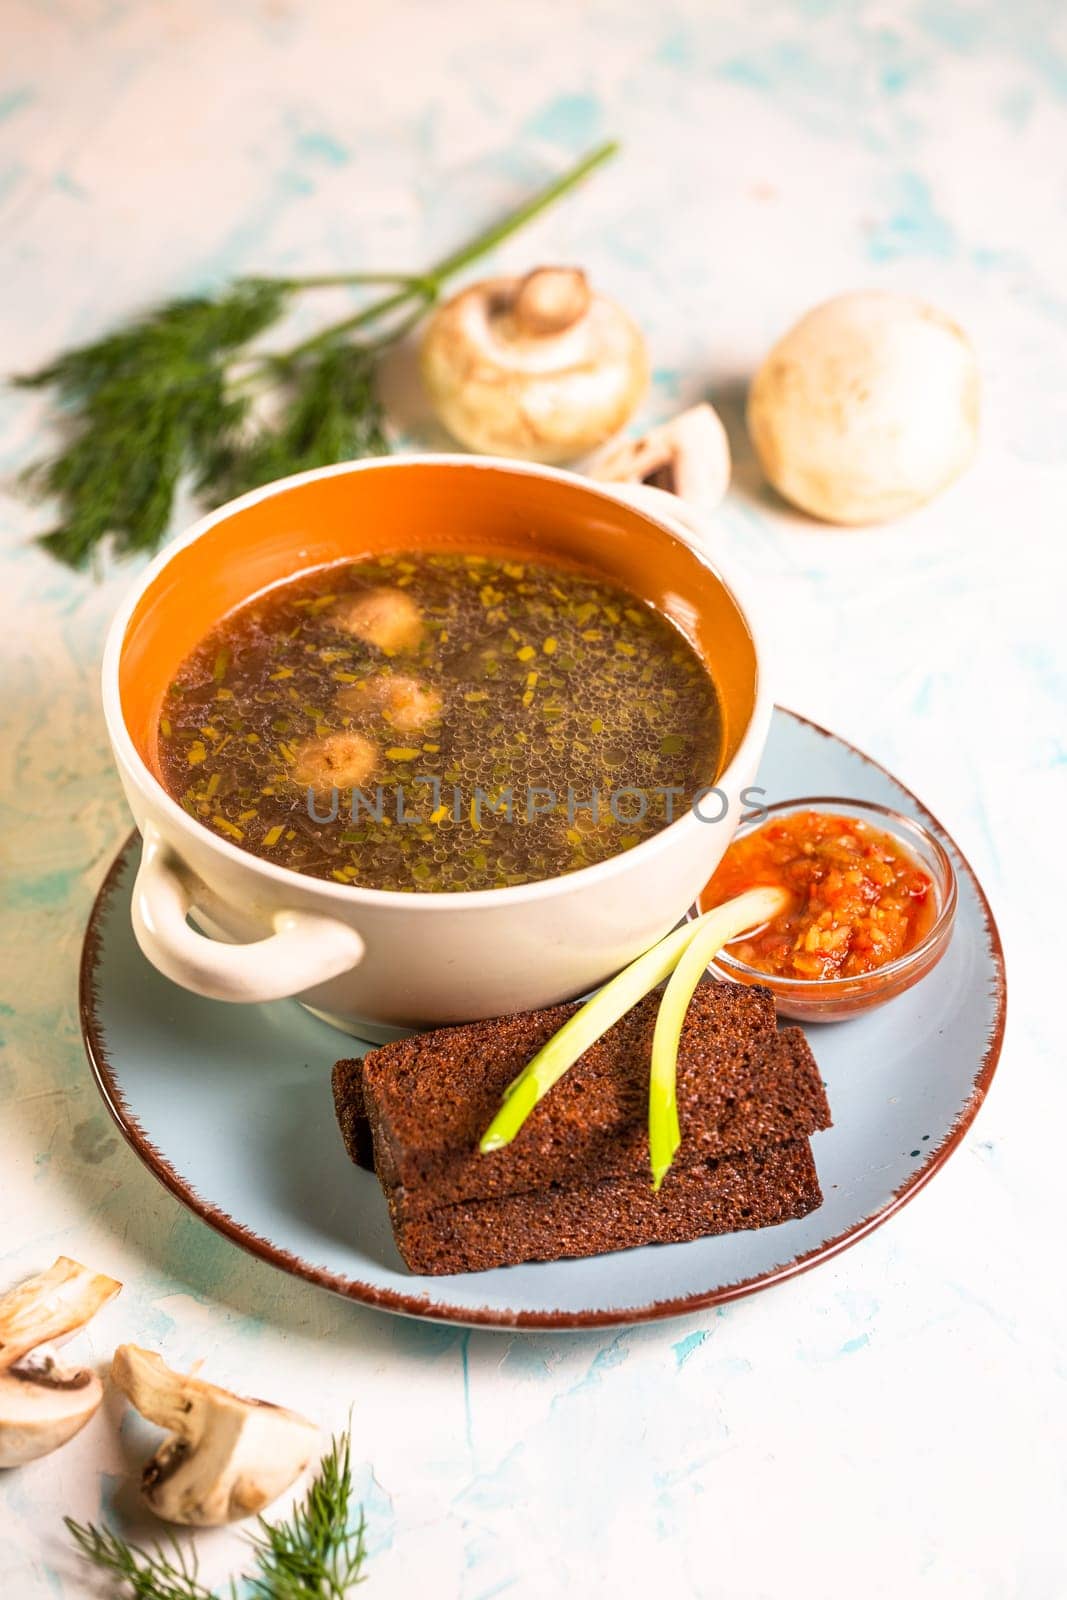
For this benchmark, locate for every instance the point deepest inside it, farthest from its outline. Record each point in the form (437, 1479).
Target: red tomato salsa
(858, 899)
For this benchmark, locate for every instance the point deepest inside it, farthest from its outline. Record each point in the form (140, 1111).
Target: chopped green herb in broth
(422, 682)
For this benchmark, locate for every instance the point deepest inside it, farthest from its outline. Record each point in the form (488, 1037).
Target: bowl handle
(305, 949)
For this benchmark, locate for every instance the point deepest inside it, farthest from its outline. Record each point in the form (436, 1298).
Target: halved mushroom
(43, 1404)
(336, 761)
(688, 456)
(406, 704)
(226, 1457)
(387, 618)
(537, 367)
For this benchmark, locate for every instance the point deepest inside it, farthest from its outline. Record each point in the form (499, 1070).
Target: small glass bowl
(835, 999)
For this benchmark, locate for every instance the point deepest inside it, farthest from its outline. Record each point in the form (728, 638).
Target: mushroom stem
(153, 1389)
(549, 300)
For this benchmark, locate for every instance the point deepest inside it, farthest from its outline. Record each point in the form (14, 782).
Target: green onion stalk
(682, 957)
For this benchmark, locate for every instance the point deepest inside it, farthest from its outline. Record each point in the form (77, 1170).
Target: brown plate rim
(421, 1305)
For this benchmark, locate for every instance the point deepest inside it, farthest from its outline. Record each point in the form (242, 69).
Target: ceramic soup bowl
(371, 961)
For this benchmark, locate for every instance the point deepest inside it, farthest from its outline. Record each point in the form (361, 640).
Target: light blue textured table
(892, 1424)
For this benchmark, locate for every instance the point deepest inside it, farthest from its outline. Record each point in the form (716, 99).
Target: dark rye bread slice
(755, 1190)
(427, 1100)
(430, 1097)
(788, 1101)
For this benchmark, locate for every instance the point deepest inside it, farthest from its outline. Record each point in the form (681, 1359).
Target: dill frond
(317, 1554)
(329, 412)
(136, 408)
(155, 403)
(147, 1574)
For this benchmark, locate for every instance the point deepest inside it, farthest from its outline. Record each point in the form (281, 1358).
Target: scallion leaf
(714, 929)
(579, 1032)
(710, 932)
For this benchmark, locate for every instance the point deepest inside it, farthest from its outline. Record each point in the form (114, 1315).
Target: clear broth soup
(440, 722)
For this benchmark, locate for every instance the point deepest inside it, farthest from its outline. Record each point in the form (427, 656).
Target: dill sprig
(174, 396)
(315, 1555)
(137, 407)
(329, 412)
(165, 1572)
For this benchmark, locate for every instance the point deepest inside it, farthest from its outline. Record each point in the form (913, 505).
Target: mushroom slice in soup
(387, 618)
(406, 704)
(336, 761)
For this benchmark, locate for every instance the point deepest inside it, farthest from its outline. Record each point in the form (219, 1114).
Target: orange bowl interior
(426, 506)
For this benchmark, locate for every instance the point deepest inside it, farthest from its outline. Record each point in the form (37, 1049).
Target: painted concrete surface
(893, 1423)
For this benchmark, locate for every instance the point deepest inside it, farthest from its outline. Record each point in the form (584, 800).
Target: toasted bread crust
(426, 1101)
(756, 1190)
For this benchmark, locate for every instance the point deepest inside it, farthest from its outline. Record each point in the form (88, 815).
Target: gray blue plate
(230, 1107)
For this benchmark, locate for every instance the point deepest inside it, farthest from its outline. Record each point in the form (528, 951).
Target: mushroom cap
(42, 1406)
(406, 704)
(344, 760)
(508, 375)
(866, 408)
(387, 618)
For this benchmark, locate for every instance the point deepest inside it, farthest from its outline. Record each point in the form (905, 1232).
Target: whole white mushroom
(538, 367)
(866, 408)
